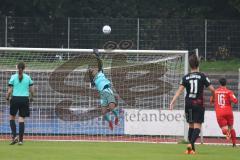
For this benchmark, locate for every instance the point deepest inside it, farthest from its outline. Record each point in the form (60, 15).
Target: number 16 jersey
(223, 98)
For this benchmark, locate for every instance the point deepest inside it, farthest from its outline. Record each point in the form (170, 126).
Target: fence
(214, 38)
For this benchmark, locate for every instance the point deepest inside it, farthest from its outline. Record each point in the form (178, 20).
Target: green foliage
(222, 53)
(220, 65)
(118, 9)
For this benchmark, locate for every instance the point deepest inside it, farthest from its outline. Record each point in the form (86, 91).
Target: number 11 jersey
(194, 83)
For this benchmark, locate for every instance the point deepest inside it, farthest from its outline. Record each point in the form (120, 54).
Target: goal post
(67, 108)
(239, 89)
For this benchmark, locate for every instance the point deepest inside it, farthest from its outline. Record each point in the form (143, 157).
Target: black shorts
(20, 104)
(194, 113)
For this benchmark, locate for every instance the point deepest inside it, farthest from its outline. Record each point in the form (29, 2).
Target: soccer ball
(106, 29)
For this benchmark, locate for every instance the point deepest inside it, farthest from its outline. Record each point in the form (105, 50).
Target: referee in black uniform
(194, 83)
(20, 91)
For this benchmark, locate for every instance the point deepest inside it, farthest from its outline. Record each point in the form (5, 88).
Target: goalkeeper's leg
(108, 99)
(107, 117)
(113, 108)
(112, 103)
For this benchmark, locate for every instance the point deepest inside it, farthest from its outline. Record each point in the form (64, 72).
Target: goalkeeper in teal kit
(103, 85)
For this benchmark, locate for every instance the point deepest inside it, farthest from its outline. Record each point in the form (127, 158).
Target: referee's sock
(13, 128)
(195, 136)
(21, 131)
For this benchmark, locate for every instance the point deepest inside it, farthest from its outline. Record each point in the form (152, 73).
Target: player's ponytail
(21, 67)
(193, 61)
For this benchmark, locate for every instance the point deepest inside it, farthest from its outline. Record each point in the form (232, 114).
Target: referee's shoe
(14, 140)
(20, 143)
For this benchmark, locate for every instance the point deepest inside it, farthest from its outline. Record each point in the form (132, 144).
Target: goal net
(66, 107)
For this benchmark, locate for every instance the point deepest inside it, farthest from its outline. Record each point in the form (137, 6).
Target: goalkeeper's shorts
(107, 97)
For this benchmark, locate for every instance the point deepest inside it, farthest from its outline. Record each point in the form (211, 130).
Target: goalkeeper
(103, 85)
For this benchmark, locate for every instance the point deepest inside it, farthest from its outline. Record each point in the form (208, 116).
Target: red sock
(225, 131)
(233, 136)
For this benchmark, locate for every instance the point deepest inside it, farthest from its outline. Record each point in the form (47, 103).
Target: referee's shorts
(20, 104)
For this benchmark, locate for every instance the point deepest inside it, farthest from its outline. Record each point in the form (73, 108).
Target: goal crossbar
(91, 50)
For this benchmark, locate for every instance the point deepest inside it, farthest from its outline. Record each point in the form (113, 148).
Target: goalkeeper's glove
(96, 52)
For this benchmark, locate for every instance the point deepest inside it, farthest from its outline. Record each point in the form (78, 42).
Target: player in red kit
(223, 99)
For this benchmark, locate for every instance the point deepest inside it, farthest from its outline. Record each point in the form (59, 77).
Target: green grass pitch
(112, 151)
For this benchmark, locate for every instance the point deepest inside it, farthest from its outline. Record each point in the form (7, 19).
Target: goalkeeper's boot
(189, 149)
(14, 140)
(110, 125)
(116, 121)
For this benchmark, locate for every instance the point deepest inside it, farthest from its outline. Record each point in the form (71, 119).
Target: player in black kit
(194, 83)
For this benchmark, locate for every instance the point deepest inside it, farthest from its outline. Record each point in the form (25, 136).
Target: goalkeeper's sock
(13, 128)
(195, 136)
(190, 131)
(110, 125)
(107, 117)
(115, 112)
(21, 131)
(233, 136)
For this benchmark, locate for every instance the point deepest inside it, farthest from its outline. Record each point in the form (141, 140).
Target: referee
(20, 87)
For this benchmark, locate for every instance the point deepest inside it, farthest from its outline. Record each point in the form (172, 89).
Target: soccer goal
(66, 107)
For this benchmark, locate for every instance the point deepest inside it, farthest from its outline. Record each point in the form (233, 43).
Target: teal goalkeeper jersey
(100, 81)
(20, 88)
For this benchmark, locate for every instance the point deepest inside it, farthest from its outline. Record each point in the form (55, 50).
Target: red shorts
(225, 120)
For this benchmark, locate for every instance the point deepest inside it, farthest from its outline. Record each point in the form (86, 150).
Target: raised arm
(177, 94)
